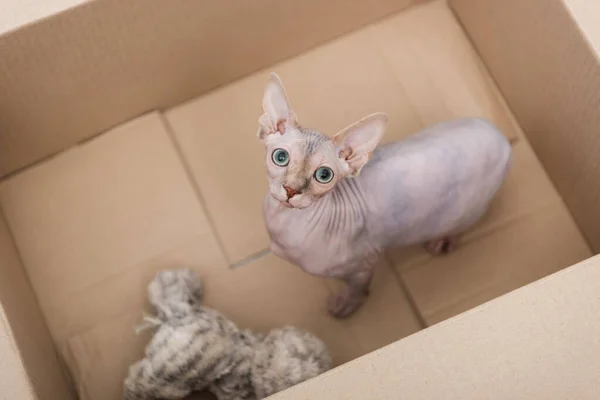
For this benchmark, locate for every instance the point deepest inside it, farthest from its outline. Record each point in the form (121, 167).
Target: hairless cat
(331, 221)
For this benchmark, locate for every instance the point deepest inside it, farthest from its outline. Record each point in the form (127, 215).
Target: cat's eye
(324, 175)
(281, 157)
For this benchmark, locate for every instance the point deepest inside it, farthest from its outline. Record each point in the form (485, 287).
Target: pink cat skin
(336, 203)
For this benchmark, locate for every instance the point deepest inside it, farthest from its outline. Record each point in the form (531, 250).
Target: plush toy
(195, 348)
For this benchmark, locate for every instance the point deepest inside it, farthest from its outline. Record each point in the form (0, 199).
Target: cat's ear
(279, 116)
(356, 143)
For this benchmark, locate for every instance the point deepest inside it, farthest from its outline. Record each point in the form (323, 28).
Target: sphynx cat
(331, 221)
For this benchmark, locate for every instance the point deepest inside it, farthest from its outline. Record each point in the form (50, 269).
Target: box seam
(524, 137)
(75, 145)
(406, 292)
(64, 371)
(11, 337)
(196, 188)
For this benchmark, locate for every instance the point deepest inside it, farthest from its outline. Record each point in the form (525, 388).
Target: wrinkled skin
(427, 189)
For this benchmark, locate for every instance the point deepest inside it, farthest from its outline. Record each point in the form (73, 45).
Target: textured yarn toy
(195, 348)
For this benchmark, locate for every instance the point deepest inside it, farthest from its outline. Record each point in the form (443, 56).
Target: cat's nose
(290, 192)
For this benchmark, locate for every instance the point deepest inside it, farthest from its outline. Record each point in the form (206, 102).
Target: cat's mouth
(286, 204)
(299, 206)
(295, 202)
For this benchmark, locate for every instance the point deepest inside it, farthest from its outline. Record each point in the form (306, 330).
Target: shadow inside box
(201, 396)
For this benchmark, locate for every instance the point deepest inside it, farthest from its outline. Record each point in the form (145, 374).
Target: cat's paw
(441, 246)
(344, 305)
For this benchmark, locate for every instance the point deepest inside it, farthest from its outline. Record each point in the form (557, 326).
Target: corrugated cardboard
(14, 380)
(18, 13)
(272, 293)
(116, 209)
(537, 343)
(93, 66)
(544, 56)
(389, 66)
(90, 215)
(182, 185)
(24, 338)
(516, 243)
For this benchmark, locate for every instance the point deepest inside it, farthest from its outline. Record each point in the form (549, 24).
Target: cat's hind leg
(442, 246)
(342, 305)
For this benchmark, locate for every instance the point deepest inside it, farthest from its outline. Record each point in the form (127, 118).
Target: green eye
(324, 175)
(281, 157)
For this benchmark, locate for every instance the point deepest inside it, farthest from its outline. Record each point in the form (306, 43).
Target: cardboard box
(127, 145)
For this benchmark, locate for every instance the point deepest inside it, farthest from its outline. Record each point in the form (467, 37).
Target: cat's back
(458, 144)
(437, 181)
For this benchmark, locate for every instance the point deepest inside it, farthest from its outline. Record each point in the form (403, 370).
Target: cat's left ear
(279, 116)
(356, 143)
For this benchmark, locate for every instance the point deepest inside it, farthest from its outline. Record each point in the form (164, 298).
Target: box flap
(586, 13)
(538, 342)
(14, 382)
(17, 13)
(66, 78)
(543, 55)
(25, 328)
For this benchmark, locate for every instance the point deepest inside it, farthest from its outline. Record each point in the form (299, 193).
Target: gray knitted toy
(195, 348)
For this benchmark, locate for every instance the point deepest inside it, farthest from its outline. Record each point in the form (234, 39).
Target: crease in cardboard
(71, 325)
(456, 81)
(472, 237)
(71, 90)
(39, 385)
(379, 311)
(404, 288)
(584, 14)
(251, 258)
(20, 13)
(513, 260)
(22, 382)
(197, 190)
(550, 75)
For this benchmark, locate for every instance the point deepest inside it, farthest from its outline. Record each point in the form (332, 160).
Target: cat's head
(303, 165)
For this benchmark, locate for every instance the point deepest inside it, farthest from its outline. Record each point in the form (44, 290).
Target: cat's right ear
(356, 143)
(279, 116)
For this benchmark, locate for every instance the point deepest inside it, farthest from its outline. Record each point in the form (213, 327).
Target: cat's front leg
(341, 305)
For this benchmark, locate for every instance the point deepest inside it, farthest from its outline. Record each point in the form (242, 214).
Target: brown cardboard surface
(387, 67)
(98, 367)
(90, 215)
(526, 191)
(521, 252)
(217, 132)
(263, 295)
(387, 315)
(438, 70)
(31, 341)
(93, 224)
(18, 13)
(586, 15)
(274, 293)
(528, 233)
(96, 65)
(539, 342)
(128, 288)
(548, 68)
(14, 381)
